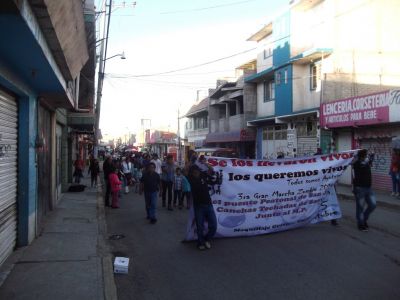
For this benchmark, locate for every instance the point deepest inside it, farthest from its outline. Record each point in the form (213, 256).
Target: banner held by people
(252, 197)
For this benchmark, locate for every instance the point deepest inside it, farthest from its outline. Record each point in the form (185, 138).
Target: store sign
(382, 107)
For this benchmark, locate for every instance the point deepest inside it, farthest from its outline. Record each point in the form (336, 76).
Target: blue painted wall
(284, 92)
(281, 58)
(27, 172)
(25, 71)
(259, 143)
(281, 34)
(19, 48)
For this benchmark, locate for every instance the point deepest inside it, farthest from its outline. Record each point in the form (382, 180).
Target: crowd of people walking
(187, 186)
(178, 187)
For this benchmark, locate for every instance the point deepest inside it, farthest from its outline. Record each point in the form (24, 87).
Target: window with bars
(306, 129)
(275, 133)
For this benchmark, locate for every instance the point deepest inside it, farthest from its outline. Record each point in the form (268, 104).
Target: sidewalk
(69, 260)
(383, 199)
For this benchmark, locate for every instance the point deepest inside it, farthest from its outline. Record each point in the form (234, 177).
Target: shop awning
(261, 76)
(244, 135)
(82, 121)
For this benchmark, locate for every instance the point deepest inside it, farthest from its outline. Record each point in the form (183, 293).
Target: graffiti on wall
(382, 153)
(5, 149)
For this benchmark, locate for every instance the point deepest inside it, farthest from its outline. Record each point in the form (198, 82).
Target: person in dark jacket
(94, 170)
(150, 184)
(203, 208)
(362, 181)
(107, 170)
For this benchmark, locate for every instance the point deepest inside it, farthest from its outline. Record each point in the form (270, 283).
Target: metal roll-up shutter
(306, 146)
(382, 148)
(8, 174)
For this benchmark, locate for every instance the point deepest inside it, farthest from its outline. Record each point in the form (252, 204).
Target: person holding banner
(362, 181)
(203, 208)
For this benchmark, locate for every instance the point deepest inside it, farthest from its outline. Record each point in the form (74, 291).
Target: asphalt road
(315, 262)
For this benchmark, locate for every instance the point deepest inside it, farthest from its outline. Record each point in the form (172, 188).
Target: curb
(349, 197)
(110, 289)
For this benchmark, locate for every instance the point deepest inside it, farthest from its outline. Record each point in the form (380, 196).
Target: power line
(115, 75)
(194, 84)
(205, 8)
(249, 50)
(194, 66)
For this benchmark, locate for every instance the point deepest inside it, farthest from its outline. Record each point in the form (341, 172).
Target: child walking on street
(178, 187)
(186, 192)
(115, 185)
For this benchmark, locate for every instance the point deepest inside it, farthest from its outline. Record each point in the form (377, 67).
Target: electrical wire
(115, 75)
(205, 8)
(195, 66)
(249, 50)
(172, 83)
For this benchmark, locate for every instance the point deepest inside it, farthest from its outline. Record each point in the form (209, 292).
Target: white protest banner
(252, 197)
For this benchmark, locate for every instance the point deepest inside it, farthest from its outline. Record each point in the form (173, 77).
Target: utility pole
(179, 141)
(100, 76)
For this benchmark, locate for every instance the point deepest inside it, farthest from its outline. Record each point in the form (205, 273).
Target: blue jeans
(151, 204)
(395, 182)
(364, 195)
(202, 213)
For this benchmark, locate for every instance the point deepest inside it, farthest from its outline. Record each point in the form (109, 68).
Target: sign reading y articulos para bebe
(252, 197)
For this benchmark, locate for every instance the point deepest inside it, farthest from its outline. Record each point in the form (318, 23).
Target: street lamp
(120, 54)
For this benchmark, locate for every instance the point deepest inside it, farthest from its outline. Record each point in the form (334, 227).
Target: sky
(159, 36)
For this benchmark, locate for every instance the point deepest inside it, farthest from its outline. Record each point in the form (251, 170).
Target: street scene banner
(252, 197)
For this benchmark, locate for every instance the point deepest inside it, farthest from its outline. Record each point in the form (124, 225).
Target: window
(232, 108)
(221, 111)
(315, 76)
(267, 52)
(241, 108)
(275, 133)
(306, 129)
(286, 76)
(278, 76)
(269, 91)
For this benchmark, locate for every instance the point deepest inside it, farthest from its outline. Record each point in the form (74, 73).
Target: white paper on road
(252, 197)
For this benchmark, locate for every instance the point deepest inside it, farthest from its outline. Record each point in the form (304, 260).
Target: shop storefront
(8, 174)
(365, 122)
(242, 141)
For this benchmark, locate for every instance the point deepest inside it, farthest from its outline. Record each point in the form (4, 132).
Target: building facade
(162, 143)
(361, 82)
(42, 52)
(196, 128)
(288, 94)
(322, 51)
(231, 105)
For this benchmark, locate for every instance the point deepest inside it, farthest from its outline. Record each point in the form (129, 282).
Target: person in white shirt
(127, 170)
(157, 162)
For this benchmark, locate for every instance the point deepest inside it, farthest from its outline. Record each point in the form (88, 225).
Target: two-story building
(288, 85)
(196, 128)
(231, 105)
(43, 50)
(161, 142)
(322, 51)
(361, 81)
